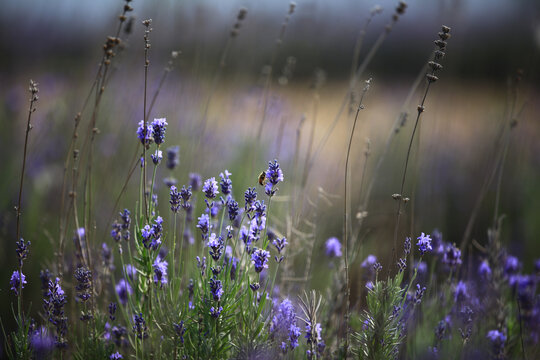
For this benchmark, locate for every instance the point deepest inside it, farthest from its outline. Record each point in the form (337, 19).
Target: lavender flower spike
(424, 244)
(210, 188)
(259, 258)
(159, 126)
(15, 281)
(273, 176)
(333, 247)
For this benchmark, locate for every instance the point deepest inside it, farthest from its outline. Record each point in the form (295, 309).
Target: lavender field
(270, 179)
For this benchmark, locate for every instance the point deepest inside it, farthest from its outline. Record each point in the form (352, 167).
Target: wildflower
(53, 304)
(41, 342)
(116, 356)
(139, 326)
(204, 224)
(377, 267)
(313, 336)
(402, 265)
(283, 328)
(451, 256)
(107, 257)
(419, 293)
(84, 283)
(201, 264)
(273, 176)
(159, 127)
(156, 157)
(116, 232)
(333, 247)
(255, 286)
(123, 289)
(195, 181)
(210, 188)
(424, 244)
(216, 288)
(215, 243)
(215, 312)
(112, 311)
(16, 282)
(145, 133)
(280, 245)
(160, 271)
(175, 199)
(497, 339)
(250, 196)
(511, 265)
(172, 157)
(369, 261)
(407, 246)
(484, 270)
(461, 292)
(185, 194)
(232, 207)
(179, 329)
(152, 235)
(22, 250)
(259, 258)
(225, 183)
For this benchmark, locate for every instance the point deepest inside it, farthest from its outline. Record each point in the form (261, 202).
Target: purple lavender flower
(160, 271)
(116, 356)
(215, 312)
(22, 250)
(139, 326)
(333, 247)
(234, 267)
(283, 328)
(215, 243)
(279, 245)
(204, 225)
(195, 181)
(419, 293)
(232, 207)
(511, 265)
(451, 256)
(259, 258)
(151, 236)
(41, 342)
(175, 199)
(484, 270)
(226, 183)
(254, 287)
(369, 261)
(123, 289)
(173, 154)
(185, 194)
(16, 282)
(424, 244)
(112, 311)
(216, 288)
(461, 292)
(313, 336)
(273, 176)
(497, 339)
(407, 246)
(157, 157)
(107, 257)
(53, 304)
(250, 196)
(84, 283)
(116, 232)
(145, 135)
(159, 126)
(180, 329)
(210, 188)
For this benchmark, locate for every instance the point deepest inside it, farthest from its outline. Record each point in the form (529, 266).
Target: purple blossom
(116, 356)
(159, 126)
(369, 261)
(84, 283)
(131, 271)
(204, 225)
(173, 154)
(419, 293)
(195, 181)
(333, 247)
(259, 258)
(22, 250)
(16, 282)
(484, 270)
(116, 232)
(180, 329)
(273, 176)
(215, 312)
(53, 304)
(451, 256)
(123, 289)
(170, 181)
(145, 135)
(250, 196)
(210, 188)
(497, 339)
(157, 157)
(139, 326)
(511, 265)
(160, 271)
(225, 183)
(216, 288)
(175, 199)
(424, 244)
(185, 194)
(283, 328)
(215, 243)
(41, 342)
(461, 292)
(233, 209)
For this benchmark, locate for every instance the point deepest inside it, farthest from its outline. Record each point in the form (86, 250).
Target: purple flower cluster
(250, 196)
(157, 157)
(139, 326)
(17, 280)
(333, 247)
(84, 283)
(173, 154)
(259, 258)
(314, 338)
(158, 130)
(284, 330)
(121, 230)
(151, 236)
(279, 245)
(145, 133)
(216, 288)
(53, 305)
(424, 244)
(210, 188)
(160, 270)
(215, 243)
(225, 183)
(273, 176)
(124, 290)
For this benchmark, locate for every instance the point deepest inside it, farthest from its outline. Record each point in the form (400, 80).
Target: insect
(262, 179)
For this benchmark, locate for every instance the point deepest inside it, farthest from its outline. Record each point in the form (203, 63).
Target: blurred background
(58, 43)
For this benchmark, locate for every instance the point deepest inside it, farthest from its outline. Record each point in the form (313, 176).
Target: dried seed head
(444, 36)
(431, 78)
(396, 196)
(441, 44)
(421, 108)
(292, 6)
(401, 7)
(439, 54)
(147, 22)
(445, 29)
(435, 66)
(242, 13)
